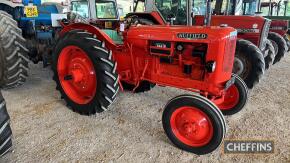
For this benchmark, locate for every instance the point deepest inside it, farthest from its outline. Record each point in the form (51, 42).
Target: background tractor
(278, 28)
(27, 33)
(5, 129)
(279, 13)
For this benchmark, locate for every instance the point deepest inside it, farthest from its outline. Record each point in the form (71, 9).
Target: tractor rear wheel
(249, 62)
(235, 98)
(5, 129)
(85, 73)
(13, 53)
(194, 124)
(279, 44)
(270, 56)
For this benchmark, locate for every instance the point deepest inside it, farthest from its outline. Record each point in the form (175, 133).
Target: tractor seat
(114, 36)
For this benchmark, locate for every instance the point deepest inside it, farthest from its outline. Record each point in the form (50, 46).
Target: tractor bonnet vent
(162, 48)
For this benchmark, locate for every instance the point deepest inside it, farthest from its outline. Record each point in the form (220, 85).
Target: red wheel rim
(191, 126)
(77, 75)
(231, 98)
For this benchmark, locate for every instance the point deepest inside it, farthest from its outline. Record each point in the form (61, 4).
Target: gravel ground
(131, 131)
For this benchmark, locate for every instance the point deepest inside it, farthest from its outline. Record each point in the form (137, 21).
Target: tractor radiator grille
(229, 54)
(161, 48)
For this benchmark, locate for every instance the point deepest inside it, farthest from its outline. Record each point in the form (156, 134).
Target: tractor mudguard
(101, 35)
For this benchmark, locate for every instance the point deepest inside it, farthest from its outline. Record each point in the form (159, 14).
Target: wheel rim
(231, 98)
(238, 66)
(241, 67)
(77, 75)
(191, 126)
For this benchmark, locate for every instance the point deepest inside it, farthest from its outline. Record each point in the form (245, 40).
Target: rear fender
(91, 29)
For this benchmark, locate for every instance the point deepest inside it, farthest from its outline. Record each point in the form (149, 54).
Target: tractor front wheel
(235, 97)
(279, 44)
(249, 62)
(194, 124)
(85, 73)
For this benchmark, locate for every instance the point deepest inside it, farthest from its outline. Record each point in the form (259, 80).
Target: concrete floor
(131, 131)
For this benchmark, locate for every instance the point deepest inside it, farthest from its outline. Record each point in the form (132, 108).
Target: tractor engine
(176, 56)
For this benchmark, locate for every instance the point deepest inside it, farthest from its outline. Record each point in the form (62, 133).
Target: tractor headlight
(210, 66)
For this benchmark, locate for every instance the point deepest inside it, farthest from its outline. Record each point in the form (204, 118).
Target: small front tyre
(235, 97)
(194, 124)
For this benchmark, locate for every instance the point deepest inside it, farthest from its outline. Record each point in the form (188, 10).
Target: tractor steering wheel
(132, 20)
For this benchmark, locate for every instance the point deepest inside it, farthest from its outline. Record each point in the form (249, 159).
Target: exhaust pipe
(208, 13)
(189, 12)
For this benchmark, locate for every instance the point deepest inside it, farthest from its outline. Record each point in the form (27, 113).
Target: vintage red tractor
(94, 59)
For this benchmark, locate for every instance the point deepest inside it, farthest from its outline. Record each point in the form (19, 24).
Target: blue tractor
(26, 33)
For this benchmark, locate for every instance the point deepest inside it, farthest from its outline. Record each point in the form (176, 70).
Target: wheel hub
(231, 98)
(238, 66)
(77, 75)
(191, 126)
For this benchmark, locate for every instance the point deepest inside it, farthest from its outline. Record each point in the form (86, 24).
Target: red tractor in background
(280, 13)
(278, 28)
(93, 59)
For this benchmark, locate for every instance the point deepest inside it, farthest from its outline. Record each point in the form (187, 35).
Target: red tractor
(278, 28)
(93, 59)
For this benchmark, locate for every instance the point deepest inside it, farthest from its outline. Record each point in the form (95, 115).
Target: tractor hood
(181, 33)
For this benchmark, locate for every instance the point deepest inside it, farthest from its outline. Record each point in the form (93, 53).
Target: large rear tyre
(5, 130)
(194, 124)
(85, 73)
(235, 98)
(249, 63)
(270, 56)
(279, 44)
(13, 53)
